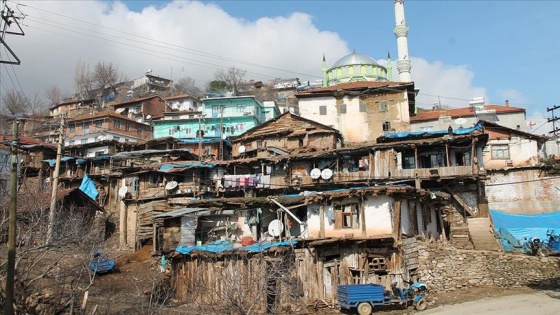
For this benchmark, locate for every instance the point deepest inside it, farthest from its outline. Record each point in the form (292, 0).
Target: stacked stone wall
(446, 268)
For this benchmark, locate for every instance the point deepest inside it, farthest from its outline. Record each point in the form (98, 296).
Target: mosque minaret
(401, 31)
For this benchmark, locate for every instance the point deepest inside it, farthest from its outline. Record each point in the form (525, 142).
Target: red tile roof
(361, 85)
(138, 100)
(178, 96)
(104, 113)
(462, 112)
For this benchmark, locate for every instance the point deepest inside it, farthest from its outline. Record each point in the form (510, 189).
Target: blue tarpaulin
(462, 131)
(222, 246)
(63, 159)
(88, 187)
(523, 227)
(185, 165)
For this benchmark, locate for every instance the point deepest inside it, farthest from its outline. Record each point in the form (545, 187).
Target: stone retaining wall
(446, 268)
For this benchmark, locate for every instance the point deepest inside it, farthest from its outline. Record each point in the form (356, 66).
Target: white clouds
(452, 83)
(193, 36)
(198, 38)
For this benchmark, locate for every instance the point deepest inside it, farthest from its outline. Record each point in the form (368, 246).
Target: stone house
(361, 111)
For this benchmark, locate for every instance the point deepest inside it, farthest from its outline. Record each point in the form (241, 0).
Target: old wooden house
(283, 135)
(344, 236)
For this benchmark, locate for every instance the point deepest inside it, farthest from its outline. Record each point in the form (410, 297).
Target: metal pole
(52, 209)
(11, 267)
(221, 148)
(287, 211)
(199, 138)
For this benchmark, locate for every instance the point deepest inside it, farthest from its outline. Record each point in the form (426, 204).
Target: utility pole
(199, 135)
(7, 18)
(10, 274)
(553, 119)
(52, 209)
(221, 153)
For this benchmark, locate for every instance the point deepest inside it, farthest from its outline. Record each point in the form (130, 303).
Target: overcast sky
(459, 49)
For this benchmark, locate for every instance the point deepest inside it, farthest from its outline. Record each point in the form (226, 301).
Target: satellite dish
(149, 117)
(460, 121)
(171, 185)
(326, 173)
(275, 228)
(241, 149)
(122, 191)
(315, 173)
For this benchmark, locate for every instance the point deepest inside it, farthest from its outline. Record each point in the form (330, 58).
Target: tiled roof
(104, 113)
(138, 100)
(361, 85)
(462, 112)
(177, 97)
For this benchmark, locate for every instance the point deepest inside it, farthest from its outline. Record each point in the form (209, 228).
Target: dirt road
(541, 303)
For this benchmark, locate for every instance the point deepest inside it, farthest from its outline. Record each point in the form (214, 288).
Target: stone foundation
(446, 268)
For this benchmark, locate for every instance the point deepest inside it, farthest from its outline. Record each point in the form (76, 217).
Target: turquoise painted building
(219, 117)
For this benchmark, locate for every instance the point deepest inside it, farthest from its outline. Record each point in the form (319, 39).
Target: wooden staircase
(482, 234)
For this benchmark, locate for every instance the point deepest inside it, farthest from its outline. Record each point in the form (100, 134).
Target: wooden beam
(363, 217)
(396, 222)
(322, 221)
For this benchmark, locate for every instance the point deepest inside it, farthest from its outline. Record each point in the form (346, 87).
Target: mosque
(357, 67)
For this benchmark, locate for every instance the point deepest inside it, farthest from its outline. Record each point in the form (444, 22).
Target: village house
(361, 111)
(72, 107)
(148, 84)
(283, 135)
(142, 110)
(466, 117)
(346, 236)
(183, 102)
(104, 125)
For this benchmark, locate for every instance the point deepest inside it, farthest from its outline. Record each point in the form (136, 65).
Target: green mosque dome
(355, 67)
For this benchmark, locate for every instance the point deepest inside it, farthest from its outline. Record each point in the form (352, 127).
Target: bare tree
(106, 76)
(83, 79)
(50, 280)
(232, 77)
(38, 105)
(187, 85)
(15, 102)
(53, 96)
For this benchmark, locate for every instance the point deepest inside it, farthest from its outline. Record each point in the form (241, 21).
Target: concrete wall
(445, 268)
(522, 191)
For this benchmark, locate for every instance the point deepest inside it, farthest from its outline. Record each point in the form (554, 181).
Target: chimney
(450, 131)
(507, 103)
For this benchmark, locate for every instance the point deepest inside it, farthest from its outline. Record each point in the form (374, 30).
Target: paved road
(541, 303)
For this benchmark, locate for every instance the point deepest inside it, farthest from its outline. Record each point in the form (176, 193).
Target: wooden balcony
(433, 172)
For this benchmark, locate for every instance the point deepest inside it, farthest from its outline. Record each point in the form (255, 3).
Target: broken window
(383, 106)
(500, 152)
(342, 109)
(347, 216)
(363, 108)
(387, 126)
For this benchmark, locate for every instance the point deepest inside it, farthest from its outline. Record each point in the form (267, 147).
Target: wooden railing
(432, 172)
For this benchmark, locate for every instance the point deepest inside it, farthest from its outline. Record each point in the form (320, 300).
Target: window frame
(323, 110)
(497, 149)
(341, 214)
